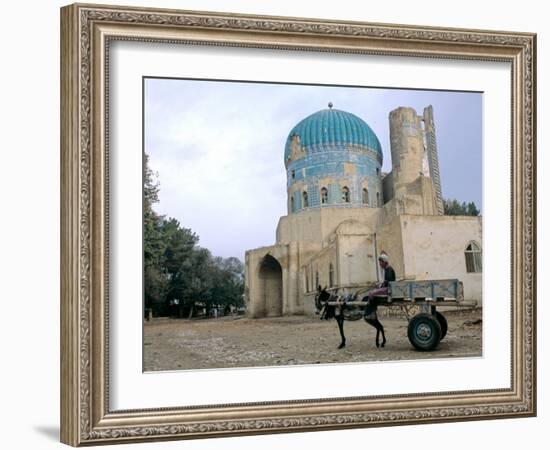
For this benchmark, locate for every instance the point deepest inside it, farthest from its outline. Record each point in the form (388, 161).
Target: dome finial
(330, 105)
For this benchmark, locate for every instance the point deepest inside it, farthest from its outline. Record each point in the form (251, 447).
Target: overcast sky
(218, 149)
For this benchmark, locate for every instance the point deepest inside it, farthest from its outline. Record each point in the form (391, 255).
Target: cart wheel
(443, 323)
(424, 332)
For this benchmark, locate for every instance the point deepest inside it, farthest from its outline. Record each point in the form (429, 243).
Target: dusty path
(176, 344)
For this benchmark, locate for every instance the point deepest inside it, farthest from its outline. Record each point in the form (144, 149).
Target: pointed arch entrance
(271, 286)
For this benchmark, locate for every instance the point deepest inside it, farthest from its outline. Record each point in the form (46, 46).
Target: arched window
(307, 282)
(378, 200)
(317, 279)
(305, 202)
(330, 275)
(292, 204)
(365, 196)
(345, 194)
(473, 257)
(324, 196)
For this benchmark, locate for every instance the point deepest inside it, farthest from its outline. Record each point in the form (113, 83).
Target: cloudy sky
(218, 149)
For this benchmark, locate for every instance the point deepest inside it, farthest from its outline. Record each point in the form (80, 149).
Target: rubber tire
(431, 325)
(443, 323)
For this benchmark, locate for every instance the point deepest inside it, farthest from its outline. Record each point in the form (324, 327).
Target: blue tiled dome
(333, 126)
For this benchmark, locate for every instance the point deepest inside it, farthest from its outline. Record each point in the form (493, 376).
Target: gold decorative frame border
(86, 31)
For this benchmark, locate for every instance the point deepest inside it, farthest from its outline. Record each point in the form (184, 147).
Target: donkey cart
(418, 300)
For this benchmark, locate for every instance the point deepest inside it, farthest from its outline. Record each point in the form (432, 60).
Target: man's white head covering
(383, 257)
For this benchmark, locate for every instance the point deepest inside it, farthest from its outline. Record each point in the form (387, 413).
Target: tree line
(179, 275)
(452, 207)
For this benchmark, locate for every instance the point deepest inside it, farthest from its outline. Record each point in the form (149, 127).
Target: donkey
(348, 312)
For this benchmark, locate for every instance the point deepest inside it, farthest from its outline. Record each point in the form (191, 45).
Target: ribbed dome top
(333, 126)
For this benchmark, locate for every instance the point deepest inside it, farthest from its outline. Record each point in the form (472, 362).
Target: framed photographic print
(268, 221)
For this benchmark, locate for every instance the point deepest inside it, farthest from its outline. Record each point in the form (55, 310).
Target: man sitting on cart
(389, 275)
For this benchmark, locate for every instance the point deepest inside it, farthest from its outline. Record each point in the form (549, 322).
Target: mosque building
(343, 211)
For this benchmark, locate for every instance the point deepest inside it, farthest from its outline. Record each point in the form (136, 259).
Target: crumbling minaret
(407, 147)
(414, 182)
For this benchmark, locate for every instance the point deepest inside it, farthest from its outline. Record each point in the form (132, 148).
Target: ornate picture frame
(87, 32)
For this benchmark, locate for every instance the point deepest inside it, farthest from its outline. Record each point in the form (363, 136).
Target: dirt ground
(178, 344)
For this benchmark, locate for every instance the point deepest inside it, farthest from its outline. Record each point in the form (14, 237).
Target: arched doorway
(271, 279)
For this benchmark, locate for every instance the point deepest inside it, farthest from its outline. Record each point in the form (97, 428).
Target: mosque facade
(343, 211)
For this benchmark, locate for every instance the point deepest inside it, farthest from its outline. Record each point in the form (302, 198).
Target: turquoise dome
(333, 126)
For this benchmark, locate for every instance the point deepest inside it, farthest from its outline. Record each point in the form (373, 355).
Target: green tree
(190, 283)
(471, 209)
(179, 245)
(228, 283)
(455, 208)
(155, 281)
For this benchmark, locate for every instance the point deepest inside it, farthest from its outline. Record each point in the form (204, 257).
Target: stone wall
(316, 225)
(433, 248)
